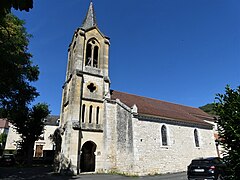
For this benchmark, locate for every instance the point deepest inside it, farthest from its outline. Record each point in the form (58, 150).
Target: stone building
(43, 146)
(111, 131)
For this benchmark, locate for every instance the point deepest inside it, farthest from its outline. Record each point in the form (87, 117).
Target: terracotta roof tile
(52, 120)
(163, 109)
(4, 123)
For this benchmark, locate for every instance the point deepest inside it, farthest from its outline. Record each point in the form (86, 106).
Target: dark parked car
(7, 160)
(206, 168)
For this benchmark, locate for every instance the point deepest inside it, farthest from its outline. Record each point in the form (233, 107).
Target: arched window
(97, 116)
(196, 138)
(95, 57)
(92, 51)
(83, 113)
(164, 135)
(88, 61)
(90, 114)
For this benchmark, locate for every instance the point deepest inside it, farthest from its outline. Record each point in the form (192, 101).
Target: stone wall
(109, 137)
(151, 157)
(124, 141)
(98, 83)
(118, 138)
(134, 146)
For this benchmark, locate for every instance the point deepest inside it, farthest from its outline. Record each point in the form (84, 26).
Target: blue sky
(181, 51)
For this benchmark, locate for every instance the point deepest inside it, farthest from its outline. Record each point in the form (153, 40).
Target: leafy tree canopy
(228, 110)
(21, 5)
(16, 69)
(16, 93)
(3, 138)
(29, 123)
(209, 108)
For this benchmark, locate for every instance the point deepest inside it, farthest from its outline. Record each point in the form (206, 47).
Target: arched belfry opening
(92, 53)
(87, 163)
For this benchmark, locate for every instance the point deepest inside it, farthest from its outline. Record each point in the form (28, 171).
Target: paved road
(15, 173)
(177, 176)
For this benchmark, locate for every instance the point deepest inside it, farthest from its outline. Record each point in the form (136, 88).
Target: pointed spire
(90, 19)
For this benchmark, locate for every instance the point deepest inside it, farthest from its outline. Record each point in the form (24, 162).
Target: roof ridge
(158, 100)
(160, 108)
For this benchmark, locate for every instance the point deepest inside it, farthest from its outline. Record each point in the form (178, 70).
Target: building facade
(110, 131)
(42, 146)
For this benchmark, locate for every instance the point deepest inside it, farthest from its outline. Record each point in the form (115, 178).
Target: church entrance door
(87, 163)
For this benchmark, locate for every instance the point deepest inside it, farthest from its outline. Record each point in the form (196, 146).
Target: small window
(83, 113)
(90, 114)
(97, 116)
(91, 87)
(164, 135)
(196, 138)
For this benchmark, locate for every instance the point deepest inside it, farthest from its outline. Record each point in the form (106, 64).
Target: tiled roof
(4, 123)
(162, 109)
(52, 120)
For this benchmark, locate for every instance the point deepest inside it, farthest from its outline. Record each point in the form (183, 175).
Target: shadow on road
(37, 172)
(46, 173)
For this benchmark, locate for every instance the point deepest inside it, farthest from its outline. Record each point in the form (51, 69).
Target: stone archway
(87, 163)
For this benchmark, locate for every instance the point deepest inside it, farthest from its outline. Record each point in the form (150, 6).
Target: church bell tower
(85, 89)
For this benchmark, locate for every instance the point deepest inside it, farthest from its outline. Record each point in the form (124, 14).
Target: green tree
(209, 108)
(21, 5)
(29, 123)
(228, 111)
(3, 139)
(16, 69)
(34, 128)
(16, 93)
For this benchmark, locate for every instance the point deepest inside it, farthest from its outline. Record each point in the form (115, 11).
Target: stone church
(111, 131)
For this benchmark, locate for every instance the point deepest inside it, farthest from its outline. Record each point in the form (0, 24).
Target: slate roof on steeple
(90, 19)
